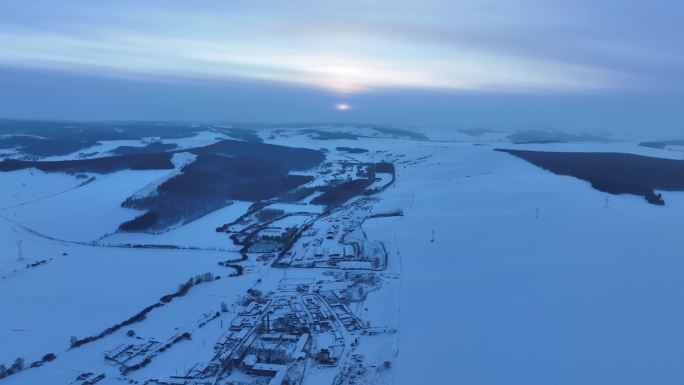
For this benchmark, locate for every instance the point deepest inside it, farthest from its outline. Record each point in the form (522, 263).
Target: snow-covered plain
(498, 272)
(88, 212)
(583, 294)
(200, 233)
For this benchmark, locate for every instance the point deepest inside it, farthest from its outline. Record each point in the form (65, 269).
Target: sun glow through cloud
(342, 106)
(348, 47)
(352, 55)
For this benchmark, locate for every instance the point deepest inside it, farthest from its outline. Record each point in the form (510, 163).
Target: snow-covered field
(200, 233)
(25, 186)
(86, 213)
(498, 272)
(584, 294)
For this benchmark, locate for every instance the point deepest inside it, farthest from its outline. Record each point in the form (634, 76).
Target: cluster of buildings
(271, 338)
(88, 378)
(132, 354)
(343, 247)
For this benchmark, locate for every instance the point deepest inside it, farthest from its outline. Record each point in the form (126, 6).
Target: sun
(342, 106)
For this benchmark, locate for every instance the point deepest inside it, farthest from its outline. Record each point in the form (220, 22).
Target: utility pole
(433, 236)
(20, 254)
(536, 213)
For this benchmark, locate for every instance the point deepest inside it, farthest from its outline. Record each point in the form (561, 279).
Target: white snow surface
(88, 212)
(200, 233)
(584, 294)
(530, 279)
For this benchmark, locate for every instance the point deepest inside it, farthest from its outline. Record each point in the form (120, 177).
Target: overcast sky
(584, 64)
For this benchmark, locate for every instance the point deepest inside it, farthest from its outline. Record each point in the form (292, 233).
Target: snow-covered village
(341, 192)
(373, 255)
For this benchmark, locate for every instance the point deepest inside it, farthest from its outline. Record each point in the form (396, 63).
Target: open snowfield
(200, 233)
(25, 186)
(584, 294)
(532, 278)
(88, 212)
(87, 290)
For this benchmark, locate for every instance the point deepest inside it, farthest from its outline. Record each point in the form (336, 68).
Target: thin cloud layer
(351, 46)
